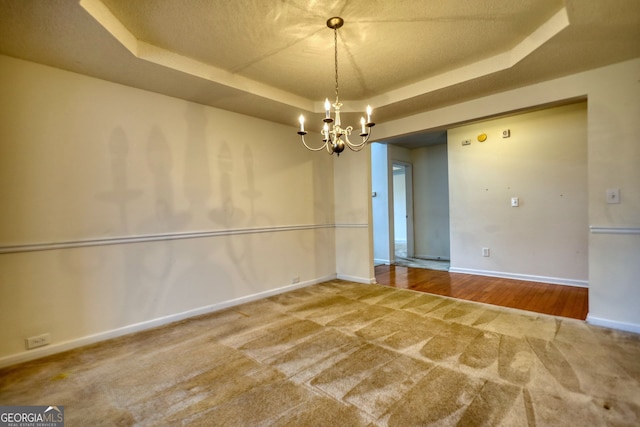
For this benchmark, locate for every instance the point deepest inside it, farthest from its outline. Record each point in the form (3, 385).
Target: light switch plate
(613, 195)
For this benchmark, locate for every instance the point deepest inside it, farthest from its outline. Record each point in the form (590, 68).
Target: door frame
(408, 174)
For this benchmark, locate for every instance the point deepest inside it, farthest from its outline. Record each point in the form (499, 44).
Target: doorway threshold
(422, 263)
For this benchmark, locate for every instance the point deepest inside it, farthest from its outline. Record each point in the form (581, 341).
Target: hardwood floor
(558, 300)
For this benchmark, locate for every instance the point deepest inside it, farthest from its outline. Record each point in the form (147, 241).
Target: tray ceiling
(274, 60)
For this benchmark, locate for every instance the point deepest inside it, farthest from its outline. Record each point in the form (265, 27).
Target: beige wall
(176, 208)
(614, 156)
(613, 127)
(544, 164)
(161, 208)
(354, 238)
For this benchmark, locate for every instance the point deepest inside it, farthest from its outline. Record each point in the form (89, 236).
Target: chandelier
(333, 136)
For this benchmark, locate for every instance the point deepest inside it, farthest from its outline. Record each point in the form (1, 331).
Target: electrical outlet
(295, 280)
(485, 251)
(37, 341)
(466, 142)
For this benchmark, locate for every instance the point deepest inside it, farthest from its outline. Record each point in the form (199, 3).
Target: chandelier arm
(359, 146)
(346, 134)
(314, 149)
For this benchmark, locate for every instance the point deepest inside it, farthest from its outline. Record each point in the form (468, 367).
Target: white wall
(400, 154)
(431, 201)
(380, 203)
(122, 209)
(400, 204)
(613, 127)
(544, 164)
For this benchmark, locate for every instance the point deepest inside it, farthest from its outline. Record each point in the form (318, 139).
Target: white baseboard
(367, 281)
(149, 324)
(623, 326)
(431, 257)
(378, 261)
(527, 277)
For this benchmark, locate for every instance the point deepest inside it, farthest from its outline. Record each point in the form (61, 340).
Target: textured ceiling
(274, 59)
(261, 40)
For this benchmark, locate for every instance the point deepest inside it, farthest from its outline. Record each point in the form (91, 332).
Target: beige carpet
(346, 354)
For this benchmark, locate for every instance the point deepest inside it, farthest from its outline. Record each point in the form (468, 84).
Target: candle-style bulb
(369, 113)
(362, 123)
(327, 107)
(301, 120)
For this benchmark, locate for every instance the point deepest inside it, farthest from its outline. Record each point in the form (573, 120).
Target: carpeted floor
(347, 354)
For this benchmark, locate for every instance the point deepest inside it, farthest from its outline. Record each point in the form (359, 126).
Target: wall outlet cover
(37, 341)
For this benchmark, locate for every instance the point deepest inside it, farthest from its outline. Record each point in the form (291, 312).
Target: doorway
(422, 189)
(402, 210)
(410, 204)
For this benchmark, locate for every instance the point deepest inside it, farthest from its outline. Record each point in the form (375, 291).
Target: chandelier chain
(335, 46)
